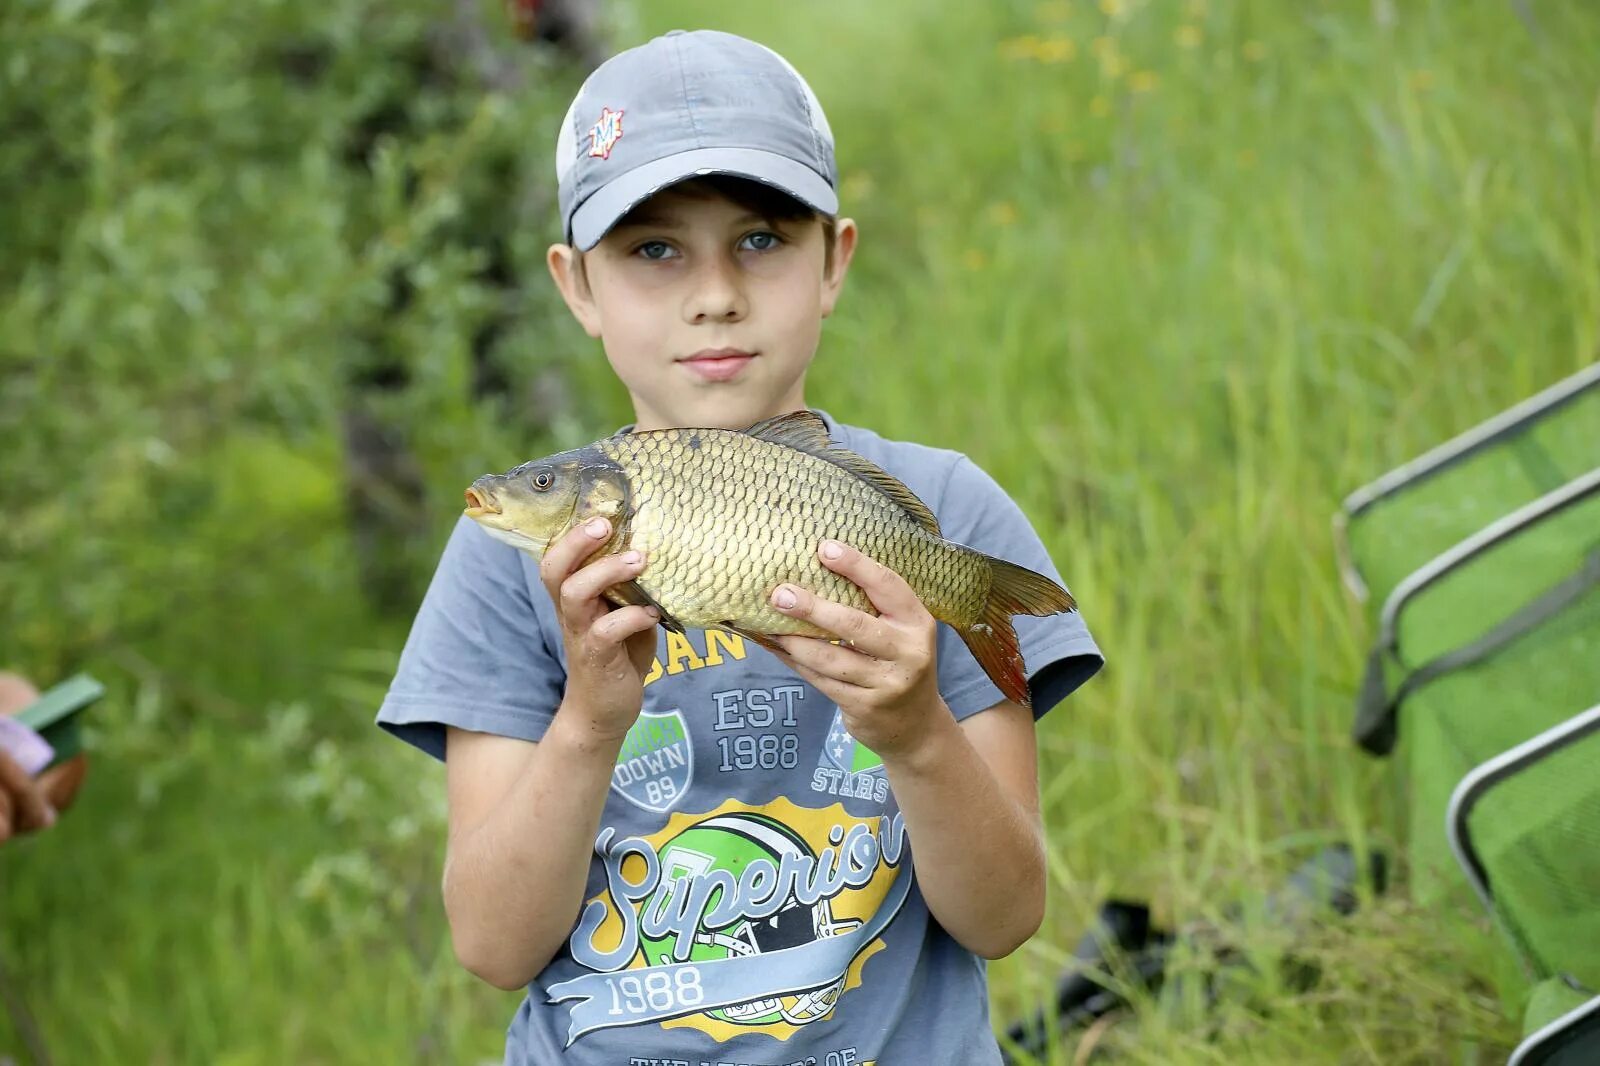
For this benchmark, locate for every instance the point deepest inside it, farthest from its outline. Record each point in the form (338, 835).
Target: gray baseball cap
(684, 105)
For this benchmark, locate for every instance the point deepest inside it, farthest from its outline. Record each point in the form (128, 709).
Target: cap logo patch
(604, 135)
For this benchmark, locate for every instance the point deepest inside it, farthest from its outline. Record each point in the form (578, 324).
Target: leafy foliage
(232, 221)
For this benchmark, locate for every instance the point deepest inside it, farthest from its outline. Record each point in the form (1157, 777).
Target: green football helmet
(731, 842)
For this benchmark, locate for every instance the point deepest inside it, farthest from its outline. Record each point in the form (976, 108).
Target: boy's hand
(609, 649)
(885, 680)
(24, 804)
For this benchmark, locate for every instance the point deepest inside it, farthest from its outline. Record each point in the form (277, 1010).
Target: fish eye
(542, 480)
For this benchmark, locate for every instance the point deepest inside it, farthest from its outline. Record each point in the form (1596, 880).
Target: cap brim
(596, 215)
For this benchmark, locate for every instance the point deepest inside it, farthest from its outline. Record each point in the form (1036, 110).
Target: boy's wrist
(930, 743)
(578, 727)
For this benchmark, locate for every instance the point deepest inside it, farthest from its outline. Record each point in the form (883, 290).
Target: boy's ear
(565, 271)
(844, 247)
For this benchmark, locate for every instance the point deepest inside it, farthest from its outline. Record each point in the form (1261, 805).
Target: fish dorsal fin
(805, 431)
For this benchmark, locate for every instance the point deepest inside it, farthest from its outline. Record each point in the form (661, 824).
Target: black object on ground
(1123, 952)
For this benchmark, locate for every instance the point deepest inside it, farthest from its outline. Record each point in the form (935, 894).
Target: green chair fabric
(1571, 1040)
(1390, 527)
(1417, 523)
(1525, 829)
(1551, 1000)
(1479, 601)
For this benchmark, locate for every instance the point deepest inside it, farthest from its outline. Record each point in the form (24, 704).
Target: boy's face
(709, 313)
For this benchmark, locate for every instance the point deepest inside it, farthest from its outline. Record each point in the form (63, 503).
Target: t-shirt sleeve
(1058, 650)
(481, 654)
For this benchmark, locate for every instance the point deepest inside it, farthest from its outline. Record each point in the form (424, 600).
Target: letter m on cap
(604, 135)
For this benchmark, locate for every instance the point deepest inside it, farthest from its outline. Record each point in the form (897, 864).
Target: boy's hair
(771, 204)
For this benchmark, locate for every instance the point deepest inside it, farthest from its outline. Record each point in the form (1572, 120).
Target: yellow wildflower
(974, 259)
(856, 187)
(1113, 64)
(1189, 36)
(1099, 107)
(1144, 81)
(1254, 51)
(1016, 48)
(1002, 213)
(1113, 8)
(1056, 50)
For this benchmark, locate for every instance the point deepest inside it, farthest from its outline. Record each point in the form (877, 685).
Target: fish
(723, 517)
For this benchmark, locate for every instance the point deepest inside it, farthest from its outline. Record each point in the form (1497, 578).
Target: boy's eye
(656, 250)
(761, 241)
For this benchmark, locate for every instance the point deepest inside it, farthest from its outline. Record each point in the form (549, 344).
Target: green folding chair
(1389, 529)
(1525, 828)
(1482, 648)
(1482, 562)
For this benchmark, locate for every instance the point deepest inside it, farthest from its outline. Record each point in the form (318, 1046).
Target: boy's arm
(970, 797)
(523, 816)
(968, 790)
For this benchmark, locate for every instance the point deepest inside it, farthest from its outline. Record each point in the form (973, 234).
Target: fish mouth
(480, 503)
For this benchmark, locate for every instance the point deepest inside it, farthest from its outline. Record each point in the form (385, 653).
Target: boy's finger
(585, 587)
(840, 692)
(563, 557)
(617, 626)
(61, 782)
(830, 660)
(886, 589)
(864, 632)
(30, 809)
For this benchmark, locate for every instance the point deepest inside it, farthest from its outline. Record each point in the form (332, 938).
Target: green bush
(229, 225)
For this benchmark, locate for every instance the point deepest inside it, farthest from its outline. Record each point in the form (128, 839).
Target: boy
(689, 849)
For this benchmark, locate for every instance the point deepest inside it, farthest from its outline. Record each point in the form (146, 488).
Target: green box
(54, 714)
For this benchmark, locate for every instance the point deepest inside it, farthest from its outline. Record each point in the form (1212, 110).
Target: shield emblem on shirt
(844, 752)
(656, 761)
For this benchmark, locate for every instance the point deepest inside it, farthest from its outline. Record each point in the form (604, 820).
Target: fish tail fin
(993, 640)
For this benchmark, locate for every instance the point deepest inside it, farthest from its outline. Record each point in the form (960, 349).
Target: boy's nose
(717, 296)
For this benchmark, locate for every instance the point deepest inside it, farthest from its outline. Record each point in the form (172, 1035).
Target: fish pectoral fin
(632, 594)
(760, 638)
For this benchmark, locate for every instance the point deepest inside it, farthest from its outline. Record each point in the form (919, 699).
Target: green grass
(1178, 275)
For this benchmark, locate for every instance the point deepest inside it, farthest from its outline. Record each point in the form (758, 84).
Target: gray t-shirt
(751, 898)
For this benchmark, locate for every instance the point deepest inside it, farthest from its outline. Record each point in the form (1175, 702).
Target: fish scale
(705, 573)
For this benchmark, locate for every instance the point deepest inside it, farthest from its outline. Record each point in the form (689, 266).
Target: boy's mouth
(717, 364)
